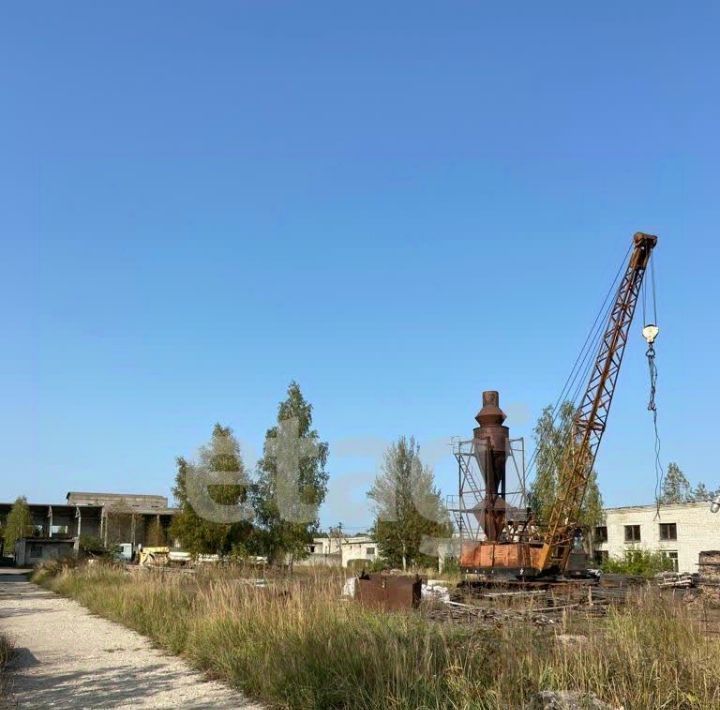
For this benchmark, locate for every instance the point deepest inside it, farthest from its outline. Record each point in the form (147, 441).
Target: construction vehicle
(527, 550)
(163, 556)
(153, 556)
(125, 552)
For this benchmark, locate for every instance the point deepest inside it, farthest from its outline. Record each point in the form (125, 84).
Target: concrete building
(680, 532)
(360, 547)
(32, 551)
(110, 517)
(340, 551)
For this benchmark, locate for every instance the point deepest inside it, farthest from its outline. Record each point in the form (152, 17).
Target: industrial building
(679, 531)
(109, 517)
(30, 551)
(341, 551)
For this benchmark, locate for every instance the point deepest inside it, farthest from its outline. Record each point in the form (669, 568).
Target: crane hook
(650, 332)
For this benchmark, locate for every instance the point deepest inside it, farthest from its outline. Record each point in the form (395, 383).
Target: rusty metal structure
(491, 505)
(531, 552)
(388, 592)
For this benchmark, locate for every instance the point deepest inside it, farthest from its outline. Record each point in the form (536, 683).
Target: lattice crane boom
(591, 418)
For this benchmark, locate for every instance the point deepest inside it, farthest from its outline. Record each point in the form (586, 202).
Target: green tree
(702, 494)
(118, 523)
(18, 524)
(291, 482)
(408, 506)
(675, 487)
(209, 520)
(552, 439)
(155, 534)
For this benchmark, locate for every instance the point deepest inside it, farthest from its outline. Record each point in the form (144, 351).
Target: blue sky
(396, 204)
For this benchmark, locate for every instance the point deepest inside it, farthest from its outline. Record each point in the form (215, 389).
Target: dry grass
(300, 647)
(6, 653)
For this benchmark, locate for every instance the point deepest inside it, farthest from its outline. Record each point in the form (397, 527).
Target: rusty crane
(516, 545)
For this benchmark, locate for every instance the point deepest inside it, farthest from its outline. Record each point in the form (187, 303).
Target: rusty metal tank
(490, 439)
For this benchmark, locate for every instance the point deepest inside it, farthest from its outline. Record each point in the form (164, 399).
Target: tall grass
(308, 649)
(6, 653)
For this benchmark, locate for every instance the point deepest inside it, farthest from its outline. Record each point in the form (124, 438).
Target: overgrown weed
(296, 644)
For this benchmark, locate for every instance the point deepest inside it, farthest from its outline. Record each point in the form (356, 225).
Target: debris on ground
(467, 613)
(572, 640)
(569, 700)
(676, 580)
(349, 587)
(435, 590)
(709, 564)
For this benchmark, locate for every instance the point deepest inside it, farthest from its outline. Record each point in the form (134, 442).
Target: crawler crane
(547, 551)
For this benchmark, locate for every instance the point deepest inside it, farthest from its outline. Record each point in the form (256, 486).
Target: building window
(312, 549)
(668, 531)
(601, 556)
(632, 533)
(601, 533)
(671, 555)
(370, 551)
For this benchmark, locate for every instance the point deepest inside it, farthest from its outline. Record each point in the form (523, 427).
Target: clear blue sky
(397, 204)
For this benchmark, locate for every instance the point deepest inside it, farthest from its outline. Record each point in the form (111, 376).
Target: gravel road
(68, 658)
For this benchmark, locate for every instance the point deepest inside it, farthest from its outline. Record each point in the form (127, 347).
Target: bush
(640, 563)
(379, 565)
(451, 566)
(92, 546)
(357, 566)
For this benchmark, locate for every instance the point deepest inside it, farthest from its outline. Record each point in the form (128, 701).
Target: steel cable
(581, 367)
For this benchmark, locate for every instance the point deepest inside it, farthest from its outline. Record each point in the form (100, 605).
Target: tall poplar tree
(209, 521)
(291, 481)
(552, 439)
(675, 487)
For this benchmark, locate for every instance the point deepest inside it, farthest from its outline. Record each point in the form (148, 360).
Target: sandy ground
(68, 658)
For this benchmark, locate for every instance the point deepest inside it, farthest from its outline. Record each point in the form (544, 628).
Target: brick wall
(698, 529)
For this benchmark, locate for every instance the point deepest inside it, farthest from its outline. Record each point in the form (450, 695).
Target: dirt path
(68, 658)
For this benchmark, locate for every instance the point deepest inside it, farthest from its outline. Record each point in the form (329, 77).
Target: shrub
(638, 562)
(451, 566)
(92, 546)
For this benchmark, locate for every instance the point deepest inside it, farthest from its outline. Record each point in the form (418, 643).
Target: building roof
(70, 508)
(663, 506)
(345, 539)
(113, 496)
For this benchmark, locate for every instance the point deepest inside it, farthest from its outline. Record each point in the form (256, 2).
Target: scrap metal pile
(710, 575)
(539, 603)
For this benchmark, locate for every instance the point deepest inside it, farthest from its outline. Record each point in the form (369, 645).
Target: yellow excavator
(163, 556)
